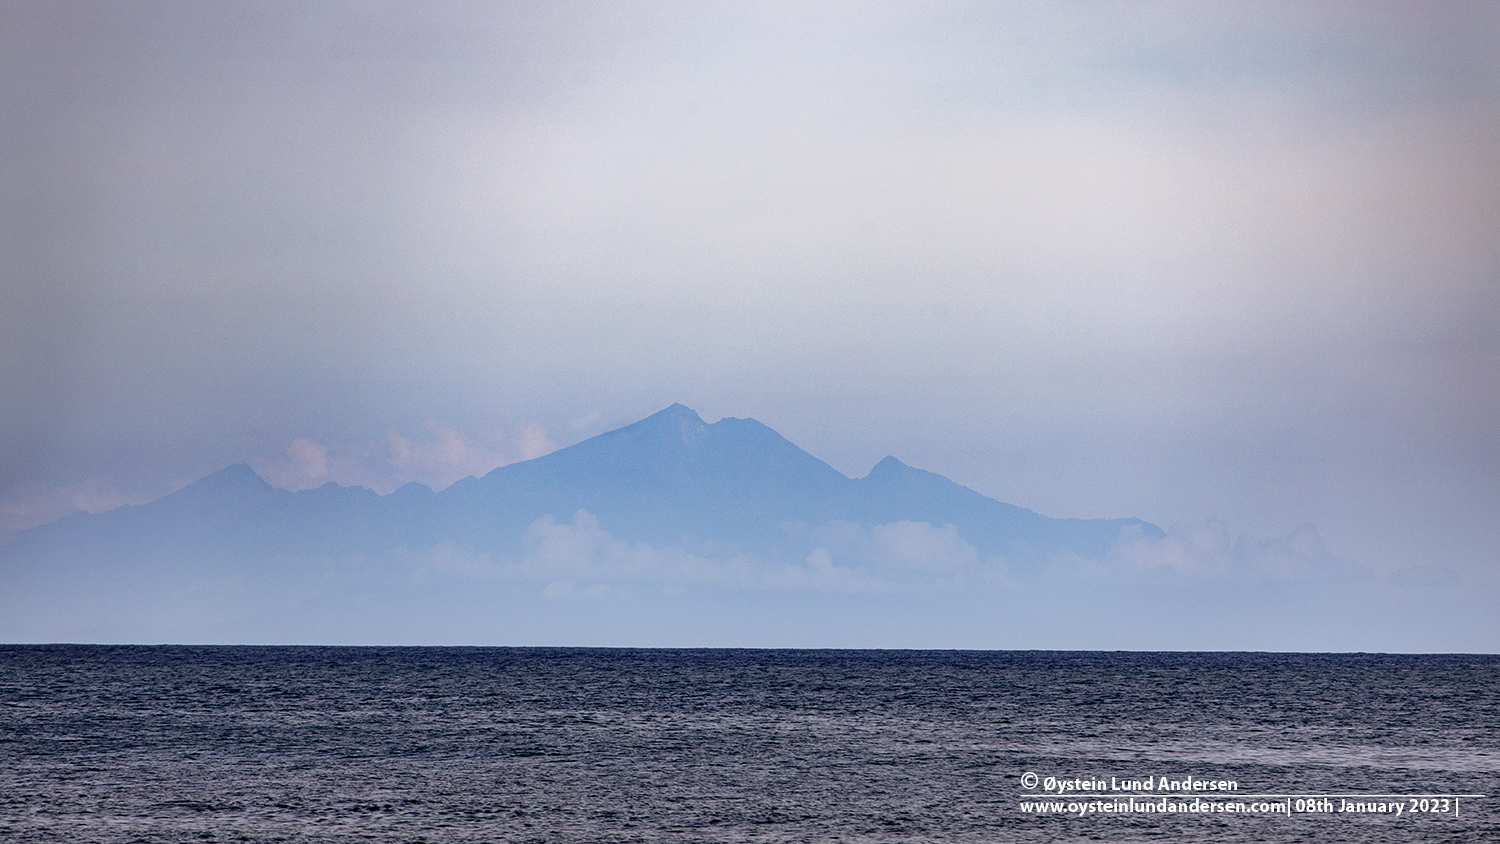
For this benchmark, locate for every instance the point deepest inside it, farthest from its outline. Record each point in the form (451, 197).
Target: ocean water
(177, 744)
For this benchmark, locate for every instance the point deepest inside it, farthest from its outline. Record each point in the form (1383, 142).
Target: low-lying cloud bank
(837, 584)
(579, 558)
(1209, 552)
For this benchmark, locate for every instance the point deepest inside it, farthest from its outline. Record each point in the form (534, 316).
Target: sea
(422, 744)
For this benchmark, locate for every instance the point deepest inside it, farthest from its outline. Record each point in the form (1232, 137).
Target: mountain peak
(891, 470)
(888, 465)
(238, 476)
(679, 413)
(237, 481)
(679, 419)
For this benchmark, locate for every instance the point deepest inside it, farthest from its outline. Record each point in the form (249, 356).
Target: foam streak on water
(125, 744)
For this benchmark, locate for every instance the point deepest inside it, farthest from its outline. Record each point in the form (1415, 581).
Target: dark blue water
(169, 744)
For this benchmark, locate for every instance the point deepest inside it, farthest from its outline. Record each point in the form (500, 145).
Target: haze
(1219, 269)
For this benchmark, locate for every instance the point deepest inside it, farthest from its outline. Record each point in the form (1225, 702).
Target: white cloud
(1187, 551)
(1210, 553)
(921, 546)
(96, 496)
(31, 505)
(446, 454)
(532, 440)
(820, 573)
(839, 557)
(581, 549)
(305, 466)
(1299, 556)
(905, 554)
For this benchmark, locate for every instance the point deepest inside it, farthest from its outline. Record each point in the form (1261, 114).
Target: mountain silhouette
(731, 489)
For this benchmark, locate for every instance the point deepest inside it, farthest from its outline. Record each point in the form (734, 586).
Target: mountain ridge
(668, 478)
(669, 499)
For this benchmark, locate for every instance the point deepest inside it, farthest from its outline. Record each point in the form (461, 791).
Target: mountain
(669, 499)
(672, 478)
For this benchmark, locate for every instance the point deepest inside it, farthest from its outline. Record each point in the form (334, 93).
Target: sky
(1232, 270)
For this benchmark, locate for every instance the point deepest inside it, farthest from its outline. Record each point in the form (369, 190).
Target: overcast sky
(1141, 259)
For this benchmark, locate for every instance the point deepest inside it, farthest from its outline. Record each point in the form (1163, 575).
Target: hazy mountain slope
(669, 479)
(673, 478)
(666, 479)
(894, 491)
(736, 503)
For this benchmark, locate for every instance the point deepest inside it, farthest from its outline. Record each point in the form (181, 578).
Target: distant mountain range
(732, 490)
(668, 480)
